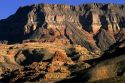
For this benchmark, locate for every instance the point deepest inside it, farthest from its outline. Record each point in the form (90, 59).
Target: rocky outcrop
(28, 56)
(80, 25)
(104, 39)
(109, 65)
(63, 43)
(107, 68)
(51, 62)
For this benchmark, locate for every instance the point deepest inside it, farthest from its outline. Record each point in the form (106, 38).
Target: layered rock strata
(81, 24)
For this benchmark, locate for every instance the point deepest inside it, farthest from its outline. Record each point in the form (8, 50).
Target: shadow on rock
(28, 56)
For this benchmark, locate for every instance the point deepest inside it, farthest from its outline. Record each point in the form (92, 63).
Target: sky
(9, 7)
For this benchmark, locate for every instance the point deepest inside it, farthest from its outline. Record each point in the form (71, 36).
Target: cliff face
(63, 43)
(94, 26)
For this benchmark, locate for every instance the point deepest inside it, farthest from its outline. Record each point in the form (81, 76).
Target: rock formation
(66, 23)
(63, 43)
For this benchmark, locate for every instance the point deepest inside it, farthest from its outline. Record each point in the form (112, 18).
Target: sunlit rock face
(81, 24)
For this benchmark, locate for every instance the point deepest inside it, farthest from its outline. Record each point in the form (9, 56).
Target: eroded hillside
(63, 43)
(94, 26)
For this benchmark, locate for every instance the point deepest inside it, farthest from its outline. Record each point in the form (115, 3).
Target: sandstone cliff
(94, 26)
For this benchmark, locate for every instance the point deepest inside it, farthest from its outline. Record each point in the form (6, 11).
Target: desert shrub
(71, 52)
(76, 50)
